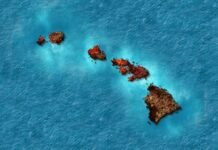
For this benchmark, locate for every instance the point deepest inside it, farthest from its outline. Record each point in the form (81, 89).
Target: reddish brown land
(123, 70)
(56, 37)
(160, 103)
(138, 72)
(41, 40)
(120, 62)
(125, 67)
(96, 53)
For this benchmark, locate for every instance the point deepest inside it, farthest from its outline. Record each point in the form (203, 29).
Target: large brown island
(160, 103)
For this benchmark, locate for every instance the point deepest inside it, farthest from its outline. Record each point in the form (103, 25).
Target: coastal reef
(160, 103)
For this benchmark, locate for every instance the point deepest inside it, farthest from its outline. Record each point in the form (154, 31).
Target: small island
(56, 37)
(125, 67)
(96, 53)
(41, 40)
(160, 103)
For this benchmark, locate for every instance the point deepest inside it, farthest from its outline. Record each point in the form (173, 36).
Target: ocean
(57, 97)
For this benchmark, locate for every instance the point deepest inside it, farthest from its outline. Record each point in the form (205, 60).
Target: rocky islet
(41, 40)
(56, 37)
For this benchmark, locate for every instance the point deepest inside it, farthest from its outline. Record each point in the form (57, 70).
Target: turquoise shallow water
(56, 97)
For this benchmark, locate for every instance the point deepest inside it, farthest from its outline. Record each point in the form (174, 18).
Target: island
(160, 103)
(41, 40)
(56, 37)
(125, 67)
(96, 53)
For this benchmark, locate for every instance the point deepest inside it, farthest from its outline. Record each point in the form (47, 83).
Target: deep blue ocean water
(56, 97)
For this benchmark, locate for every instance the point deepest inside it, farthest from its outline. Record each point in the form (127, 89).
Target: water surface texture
(56, 97)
